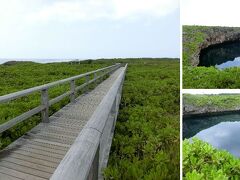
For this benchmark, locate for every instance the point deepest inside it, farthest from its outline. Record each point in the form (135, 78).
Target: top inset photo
(211, 46)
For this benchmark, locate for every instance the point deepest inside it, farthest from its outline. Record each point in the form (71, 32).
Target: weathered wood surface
(94, 140)
(37, 154)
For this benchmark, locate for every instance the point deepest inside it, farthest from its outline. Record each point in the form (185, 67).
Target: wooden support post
(95, 77)
(111, 70)
(45, 103)
(114, 113)
(102, 76)
(73, 92)
(93, 174)
(87, 86)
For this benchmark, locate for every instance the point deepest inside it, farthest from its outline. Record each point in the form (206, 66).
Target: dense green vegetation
(221, 101)
(19, 76)
(28, 74)
(146, 142)
(193, 36)
(204, 77)
(202, 161)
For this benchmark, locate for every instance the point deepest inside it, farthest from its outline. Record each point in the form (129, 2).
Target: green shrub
(217, 101)
(202, 161)
(146, 142)
(19, 76)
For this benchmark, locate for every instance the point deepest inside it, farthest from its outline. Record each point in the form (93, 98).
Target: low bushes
(202, 161)
(146, 142)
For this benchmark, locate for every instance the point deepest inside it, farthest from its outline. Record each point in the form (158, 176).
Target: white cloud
(72, 10)
(210, 12)
(158, 8)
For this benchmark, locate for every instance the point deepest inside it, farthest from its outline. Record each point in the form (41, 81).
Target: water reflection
(224, 135)
(228, 64)
(222, 55)
(222, 132)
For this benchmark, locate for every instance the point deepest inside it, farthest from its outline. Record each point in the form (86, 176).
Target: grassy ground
(146, 142)
(204, 77)
(221, 101)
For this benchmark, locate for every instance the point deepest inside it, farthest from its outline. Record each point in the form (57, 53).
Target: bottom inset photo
(211, 131)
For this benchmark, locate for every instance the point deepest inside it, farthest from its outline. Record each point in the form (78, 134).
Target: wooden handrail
(45, 102)
(85, 159)
(12, 96)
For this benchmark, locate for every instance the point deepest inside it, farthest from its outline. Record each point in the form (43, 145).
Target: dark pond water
(222, 131)
(222, 55)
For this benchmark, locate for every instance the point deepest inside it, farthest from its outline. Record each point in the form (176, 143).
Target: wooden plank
(73, 127)
(66, 126)
(54, 138)
(29, 159)
(43, 151)
(44, 148)
(51, 142)
(29, 164)
(65, 129)
(52, 134)
(22, 141)
(76, 123)
(8, 177)
(56, 130)
(57, 117)
(38, 156)
(25, 169)
(20, 175)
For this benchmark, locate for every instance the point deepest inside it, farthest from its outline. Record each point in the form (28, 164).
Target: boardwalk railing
(45, 101)
(89, 153)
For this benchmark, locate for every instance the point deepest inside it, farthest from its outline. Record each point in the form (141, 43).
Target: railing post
(72, 89)
(93, 174)
(87, 80)
(45, 103)
(114, 112)
(103, 71)
(113, 68)
(109, 71)
(95, 77)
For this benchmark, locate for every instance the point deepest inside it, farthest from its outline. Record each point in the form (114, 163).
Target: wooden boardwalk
(37, 154)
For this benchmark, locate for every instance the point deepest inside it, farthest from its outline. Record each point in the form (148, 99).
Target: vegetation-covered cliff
(196, 38)
(204, 104)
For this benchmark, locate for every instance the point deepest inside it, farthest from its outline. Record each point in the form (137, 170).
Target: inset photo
(211, 130)
(210, 45)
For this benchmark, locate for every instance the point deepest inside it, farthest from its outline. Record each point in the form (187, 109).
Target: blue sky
(89, 29)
